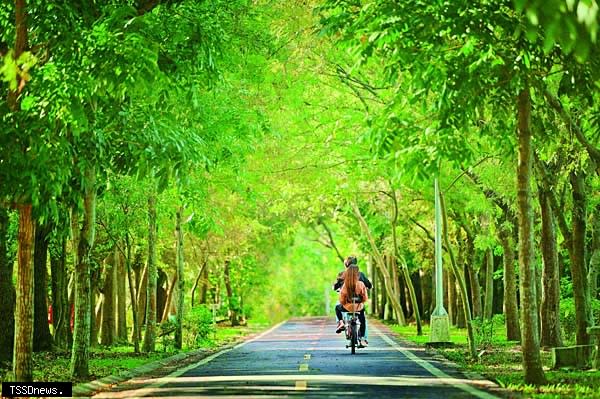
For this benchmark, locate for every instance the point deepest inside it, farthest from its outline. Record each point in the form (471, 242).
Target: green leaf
(28, 103)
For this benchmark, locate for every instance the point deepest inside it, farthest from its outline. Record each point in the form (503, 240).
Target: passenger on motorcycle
(352, 287)
(349, 261)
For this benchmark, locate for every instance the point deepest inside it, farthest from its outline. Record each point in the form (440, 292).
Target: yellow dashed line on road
(303, 367)
(301, 385)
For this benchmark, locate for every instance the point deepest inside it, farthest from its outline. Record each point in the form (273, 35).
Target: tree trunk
(204, 285)
(107, 336)
(21, 44)
(60, 293)
(498, 307)
(231, 300)
(394, 271)
(97, 317)
(460, 260)
(382, 297)
(150, 337)
(423, 292)
(181, 280)
(142, 299)
(130, 281)
(475, 292)
(532, 365)
(137, 269)
(42, 339)
(23, 341)
(401, 317)
(169, 301)
(82, 332)
(412, 293)
(195, 287)
(578, 266)
(511, 310)
(23, 315)
(161, 294)
(403, 299)
(471, 257)
(549, 313)
(374, 292)
(594, 265)
(388, 311)
(460, 278)
(489, 284)
(95, 274)
(121, 297)
(8, 297)
(379, 261)
(451, 294)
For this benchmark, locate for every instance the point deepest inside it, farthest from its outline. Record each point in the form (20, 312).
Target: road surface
(305, 358)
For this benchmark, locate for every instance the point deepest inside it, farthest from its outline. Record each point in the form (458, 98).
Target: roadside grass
(105, 361)
(500, 360)
(225, 335)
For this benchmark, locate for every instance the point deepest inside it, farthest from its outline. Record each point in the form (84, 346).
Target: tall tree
(151, 309)
(23, 343)
(42, 339)
(578, 258)
(549, 312)
(532, 363)
(180, 277)
(121, 297)
(108, 327)
(60, 293)
(511, 311)
(81, 331)
(7, 300)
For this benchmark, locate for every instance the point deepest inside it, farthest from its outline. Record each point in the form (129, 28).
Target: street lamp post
(440, 324)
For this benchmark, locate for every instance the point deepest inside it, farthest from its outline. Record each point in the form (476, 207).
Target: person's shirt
(340, 281)
(346, 297)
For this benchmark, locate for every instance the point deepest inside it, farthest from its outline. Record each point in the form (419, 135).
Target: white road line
(138, 393)
(434, 370)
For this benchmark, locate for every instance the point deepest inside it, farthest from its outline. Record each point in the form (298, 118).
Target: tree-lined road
(305, 358)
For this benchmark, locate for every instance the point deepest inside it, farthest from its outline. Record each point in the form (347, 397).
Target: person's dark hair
(350, 260)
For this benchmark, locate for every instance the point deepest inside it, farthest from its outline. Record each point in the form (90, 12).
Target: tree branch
(572, 126)
(332, 243)
(493, 196)
(466, 170)
(558, 213)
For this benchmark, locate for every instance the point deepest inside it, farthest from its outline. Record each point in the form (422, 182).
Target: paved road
(305, 358)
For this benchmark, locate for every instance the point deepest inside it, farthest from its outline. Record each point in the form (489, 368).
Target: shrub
(567, 317)
(483, 330)
(197, 325)
(165, 332)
